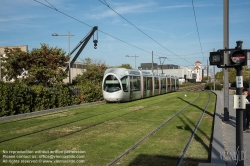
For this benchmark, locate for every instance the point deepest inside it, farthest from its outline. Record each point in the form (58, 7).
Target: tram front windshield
(111, 84)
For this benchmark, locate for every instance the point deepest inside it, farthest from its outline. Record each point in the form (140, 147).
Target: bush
(14, 98)
(90, 92)
(17, 98)
(210, 86)
(188, 84)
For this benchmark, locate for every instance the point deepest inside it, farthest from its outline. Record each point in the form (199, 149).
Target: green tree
(232, 74)
(43, 65)
(206, 79)
(13, 63)
(126, 66)
(219, 76)
(90, 80)
(94, 72)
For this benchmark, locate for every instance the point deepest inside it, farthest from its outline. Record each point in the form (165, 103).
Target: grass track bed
(166, 146)
(109, 139)
(25, 129)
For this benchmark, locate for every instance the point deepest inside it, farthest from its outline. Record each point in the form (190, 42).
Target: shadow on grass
(208, 148)
(196, 137)
(162, 160)
(196, 107)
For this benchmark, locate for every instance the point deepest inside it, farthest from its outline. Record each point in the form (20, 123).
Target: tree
(91, 80)
(232, 74)
(94, 72)
(219, 76)
(14, 62)
(126, 66)
(43, 65)
(206, 79)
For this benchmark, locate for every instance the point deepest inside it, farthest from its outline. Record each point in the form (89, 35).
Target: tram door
(156, 86)
(177, 84)
(125, 87)
(169, 84)
(144, 86)
(135, 87)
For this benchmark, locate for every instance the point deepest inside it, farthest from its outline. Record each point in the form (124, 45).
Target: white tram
(120, 84)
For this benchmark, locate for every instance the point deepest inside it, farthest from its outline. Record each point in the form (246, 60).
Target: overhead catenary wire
(51, 5)
(197, 29)
(105, 3)
(186, 54)
(54, 8)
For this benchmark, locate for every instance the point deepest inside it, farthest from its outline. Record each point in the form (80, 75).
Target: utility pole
(239, 114)
(214, 73)
(207, 72)
(152, 62)
(162, 63)
(226, 45)
(69, 53)
(134, 57)
(238, 59)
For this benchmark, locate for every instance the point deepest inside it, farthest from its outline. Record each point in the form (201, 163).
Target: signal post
(237, 59)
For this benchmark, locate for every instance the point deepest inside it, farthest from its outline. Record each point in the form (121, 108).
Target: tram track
(87, 127)
(158, 128)
(59, 112)
(43, 113)
(193, 134)
(59, 137)
(58, 118)
(93, 125)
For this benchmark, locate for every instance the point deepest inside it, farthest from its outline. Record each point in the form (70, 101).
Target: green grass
(166, 146)
(106, 131)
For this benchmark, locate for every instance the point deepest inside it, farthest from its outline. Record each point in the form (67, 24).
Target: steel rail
(43, 113)
(151, 133)
(54, 111)
(90, 126)
(193, 134)
(87, 127)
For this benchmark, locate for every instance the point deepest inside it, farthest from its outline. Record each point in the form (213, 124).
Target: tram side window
(177, 83)
(135, 84)
(168, 83)
(138, 83)
(149, 80)
(156, 83)
(173, 83)
(124, 81)
(163, 83)
(111, 84)
(145, 82)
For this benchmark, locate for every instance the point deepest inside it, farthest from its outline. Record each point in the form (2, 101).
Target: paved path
(224, 136)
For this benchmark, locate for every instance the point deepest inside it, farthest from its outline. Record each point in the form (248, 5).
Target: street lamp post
(68, 35)
(134, 57)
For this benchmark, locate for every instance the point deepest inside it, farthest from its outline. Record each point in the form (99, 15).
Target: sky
(181, 31)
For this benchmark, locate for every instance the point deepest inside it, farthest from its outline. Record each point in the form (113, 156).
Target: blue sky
(166, 27)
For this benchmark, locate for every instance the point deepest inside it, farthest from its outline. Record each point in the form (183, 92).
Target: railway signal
(238, 56)
(216, 58)
(237, 59)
